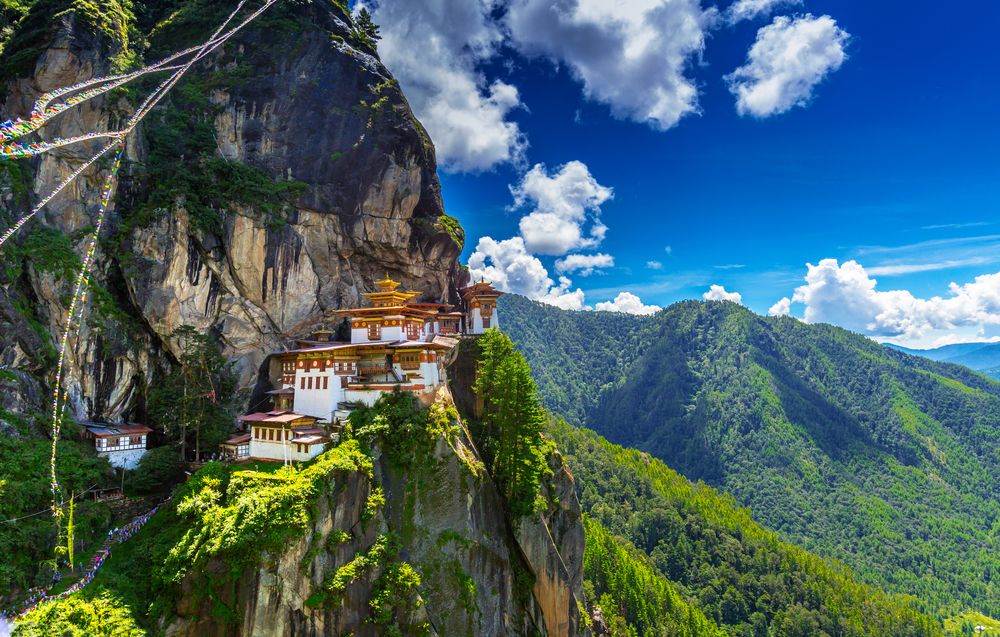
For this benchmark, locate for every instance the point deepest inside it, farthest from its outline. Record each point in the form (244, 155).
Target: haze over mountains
(982, 357)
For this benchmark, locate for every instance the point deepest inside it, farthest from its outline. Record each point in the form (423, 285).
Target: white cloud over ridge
(750, 9)
(631, 55)
(789, 58)
(781, 308)
(584, 264)
(846, 295)
(719, 293)
(466, 115)
(563, 203)
(628, 303)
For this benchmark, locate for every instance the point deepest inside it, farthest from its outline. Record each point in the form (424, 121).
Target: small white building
(284, 436)
(237, 448)
(122, 444)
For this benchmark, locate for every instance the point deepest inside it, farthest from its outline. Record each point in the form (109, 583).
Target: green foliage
(24, 490)
(403, 430)
(573, 355)
(509, 434)
(394, 598)
(184, 171)
(451, 225)
(158, 470)
(738, 574)
(847, 448)
(629, 586)
(239, 514)
(26, 28)
(365, 29)
(194, 404)
(101, 616)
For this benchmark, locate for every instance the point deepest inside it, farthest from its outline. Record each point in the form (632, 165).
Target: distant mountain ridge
(982, 357)
(852, 450)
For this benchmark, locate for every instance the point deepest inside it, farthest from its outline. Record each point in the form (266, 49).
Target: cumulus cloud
(654, 265)
(584, 264)
(562, 296)
(784, 65)
(628, 303)
(750, 9)
(781, 308)
(719, 293)
(466, 115)
(631, 55)
(563, 203)
(509, 266)
(845, 295)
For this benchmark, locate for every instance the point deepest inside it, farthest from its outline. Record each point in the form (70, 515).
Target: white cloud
(719, 293)
(845, 295)
(584, 264)
(628, 303)
(509, 266)
(654, 265)
(788, 60)
(750, 9)
(895, 269)
(563, 203)
(781, 308)
(630, 54)
(434, 47)
(668, 249)
(562, 296)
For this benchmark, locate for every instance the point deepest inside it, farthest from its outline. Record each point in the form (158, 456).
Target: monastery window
(309, 383)
(135, 440)
(413, 330)
(486, 322)
(409, 361)
(112, 442)
(303, 382)
(374, 331)
(326, 382)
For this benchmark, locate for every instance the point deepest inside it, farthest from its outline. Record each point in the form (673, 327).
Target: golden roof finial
(387, 284)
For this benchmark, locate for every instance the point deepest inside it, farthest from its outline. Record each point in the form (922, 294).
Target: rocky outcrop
(476, 570)
(298, 98)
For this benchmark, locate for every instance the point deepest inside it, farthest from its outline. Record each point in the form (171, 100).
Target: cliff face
(478, 575)
(294, 105)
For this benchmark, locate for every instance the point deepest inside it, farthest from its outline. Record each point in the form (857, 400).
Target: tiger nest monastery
(397, 344)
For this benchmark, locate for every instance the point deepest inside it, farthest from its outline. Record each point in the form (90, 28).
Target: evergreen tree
(195, 403)
(512, 420)
(366, 27)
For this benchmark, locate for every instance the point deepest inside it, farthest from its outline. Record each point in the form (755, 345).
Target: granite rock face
(475, 568)
(306, 103)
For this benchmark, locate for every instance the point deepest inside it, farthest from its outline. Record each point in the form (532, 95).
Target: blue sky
(880, 147)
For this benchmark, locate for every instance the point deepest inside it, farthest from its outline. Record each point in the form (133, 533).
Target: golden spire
(387, 284)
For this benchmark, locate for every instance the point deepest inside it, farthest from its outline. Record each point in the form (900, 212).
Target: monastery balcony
(373, 369)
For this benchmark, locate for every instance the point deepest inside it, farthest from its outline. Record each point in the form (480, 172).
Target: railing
(372, 370)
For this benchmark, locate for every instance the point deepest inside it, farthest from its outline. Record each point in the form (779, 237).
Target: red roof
(276, 417)
(239, 439)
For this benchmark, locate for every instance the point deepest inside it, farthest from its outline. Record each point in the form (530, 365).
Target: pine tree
(366, 27)
(511, 429)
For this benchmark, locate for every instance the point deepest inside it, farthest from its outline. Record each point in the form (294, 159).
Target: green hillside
(705, 549)
(849, 449)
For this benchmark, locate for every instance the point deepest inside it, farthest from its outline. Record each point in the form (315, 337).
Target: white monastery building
(397, 344)
(122, 444)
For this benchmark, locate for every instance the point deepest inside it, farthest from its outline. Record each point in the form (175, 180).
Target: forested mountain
(849, 449)
(982, 357)
(705, 549)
